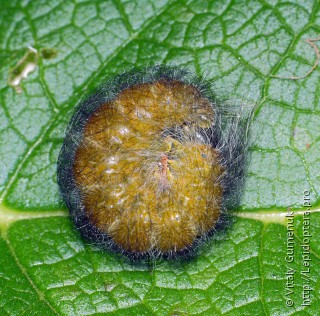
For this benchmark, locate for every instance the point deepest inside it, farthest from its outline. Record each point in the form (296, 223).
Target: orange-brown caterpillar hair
(151, 161)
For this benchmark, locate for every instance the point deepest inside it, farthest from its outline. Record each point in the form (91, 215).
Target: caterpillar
(151, 162)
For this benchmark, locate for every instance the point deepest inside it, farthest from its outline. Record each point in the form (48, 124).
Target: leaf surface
(46, 268)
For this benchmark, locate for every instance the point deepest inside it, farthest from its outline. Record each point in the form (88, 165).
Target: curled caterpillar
(151, 161)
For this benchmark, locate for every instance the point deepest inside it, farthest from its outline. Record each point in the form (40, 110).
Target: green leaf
(45, 266)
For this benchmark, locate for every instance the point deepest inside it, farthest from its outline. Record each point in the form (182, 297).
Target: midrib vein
(9, 216)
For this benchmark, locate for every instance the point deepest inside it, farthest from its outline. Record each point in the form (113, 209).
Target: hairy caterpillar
(151, 161)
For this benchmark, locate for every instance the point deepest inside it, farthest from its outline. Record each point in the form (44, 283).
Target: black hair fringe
(229, 134)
